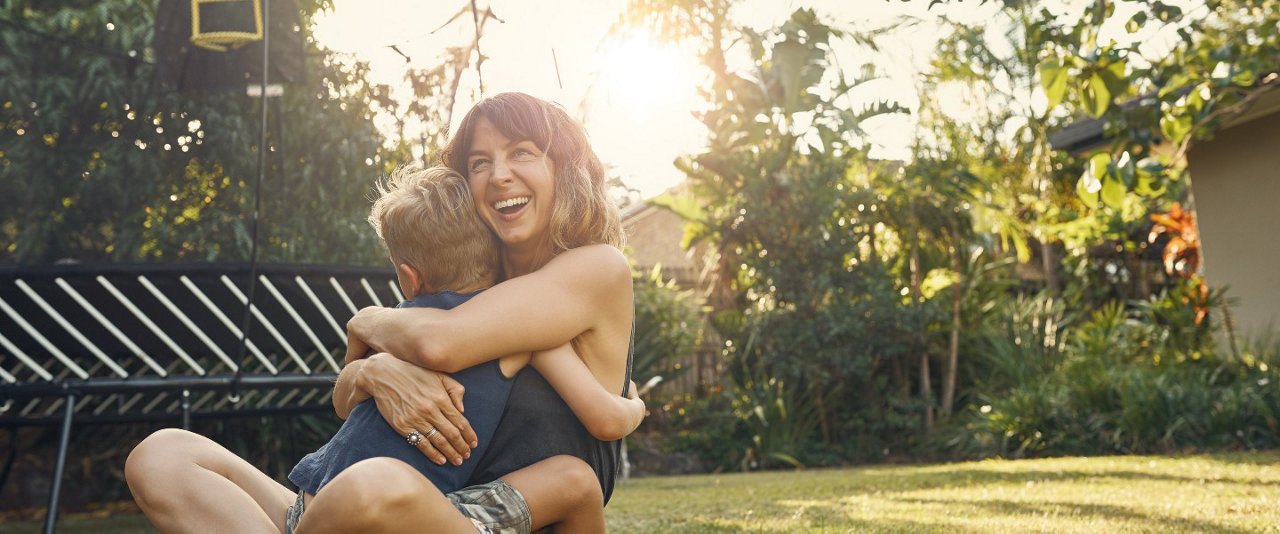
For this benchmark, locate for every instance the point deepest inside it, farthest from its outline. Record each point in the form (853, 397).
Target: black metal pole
(257, 205)
(67, 414)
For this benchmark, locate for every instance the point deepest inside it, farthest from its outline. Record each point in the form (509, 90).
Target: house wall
(653, 237)
(1235, 179)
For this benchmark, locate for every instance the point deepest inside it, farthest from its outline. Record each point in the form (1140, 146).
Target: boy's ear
(411, 281)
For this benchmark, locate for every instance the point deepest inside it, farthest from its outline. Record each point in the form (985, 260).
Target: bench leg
(67, 414)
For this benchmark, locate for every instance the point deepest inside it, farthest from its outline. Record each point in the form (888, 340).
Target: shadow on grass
(844, 525)
(815, 500)
(1102, 511)
(1267, 458)
(874, 482)
(120, 524)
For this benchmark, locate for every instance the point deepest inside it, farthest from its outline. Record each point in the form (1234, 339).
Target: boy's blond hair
(426, 219)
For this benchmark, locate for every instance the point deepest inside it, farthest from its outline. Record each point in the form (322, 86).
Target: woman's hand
(412, 398)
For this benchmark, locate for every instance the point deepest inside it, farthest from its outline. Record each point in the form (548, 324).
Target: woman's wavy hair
(582, 213)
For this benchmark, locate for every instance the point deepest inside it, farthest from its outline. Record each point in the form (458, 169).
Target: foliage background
(96, 165)
(992, 295)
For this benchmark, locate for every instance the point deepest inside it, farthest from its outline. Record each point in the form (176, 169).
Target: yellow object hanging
(222, 40)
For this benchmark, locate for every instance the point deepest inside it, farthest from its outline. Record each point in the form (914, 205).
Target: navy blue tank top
(365, 434)
(537, 425)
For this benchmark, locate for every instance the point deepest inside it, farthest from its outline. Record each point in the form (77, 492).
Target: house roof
(1086, 134)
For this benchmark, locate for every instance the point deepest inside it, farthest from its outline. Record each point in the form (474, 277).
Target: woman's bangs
(518, 121)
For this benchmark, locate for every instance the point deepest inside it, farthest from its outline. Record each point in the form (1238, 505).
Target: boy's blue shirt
(365, 434)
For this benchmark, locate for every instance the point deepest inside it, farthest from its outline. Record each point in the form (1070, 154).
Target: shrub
(1140, 379)
(668, 327)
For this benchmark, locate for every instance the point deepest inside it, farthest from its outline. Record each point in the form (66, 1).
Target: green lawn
(1204, 493)
(1207, 493)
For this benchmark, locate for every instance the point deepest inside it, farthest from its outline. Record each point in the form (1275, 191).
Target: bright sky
(635, 96)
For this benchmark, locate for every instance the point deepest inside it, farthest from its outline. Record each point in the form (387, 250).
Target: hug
(493, 398)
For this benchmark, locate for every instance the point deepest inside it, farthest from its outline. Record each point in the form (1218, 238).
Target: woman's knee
(157, 453)
(159, 458)
(579, 479)
(376, 486)
(380, 495)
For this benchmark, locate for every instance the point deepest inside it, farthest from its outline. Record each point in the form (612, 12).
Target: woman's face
(513, 186)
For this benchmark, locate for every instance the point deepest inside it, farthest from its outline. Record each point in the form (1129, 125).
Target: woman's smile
(511, 205)
(509, 210)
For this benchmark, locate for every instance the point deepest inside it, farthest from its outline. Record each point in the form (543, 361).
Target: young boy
(444, 255)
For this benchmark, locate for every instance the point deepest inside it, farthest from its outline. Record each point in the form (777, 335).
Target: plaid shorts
(494, 508)
(294, 514)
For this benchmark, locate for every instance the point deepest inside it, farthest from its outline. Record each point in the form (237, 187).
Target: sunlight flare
(642, 75)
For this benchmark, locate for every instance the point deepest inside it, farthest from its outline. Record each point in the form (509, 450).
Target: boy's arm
(346, 393)
(607, 416)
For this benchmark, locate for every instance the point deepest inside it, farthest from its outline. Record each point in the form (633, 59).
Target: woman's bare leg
(561, 490)
(185, 482)
(382, 495)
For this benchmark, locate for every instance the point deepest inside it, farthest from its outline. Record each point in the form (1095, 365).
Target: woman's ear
(411, 281)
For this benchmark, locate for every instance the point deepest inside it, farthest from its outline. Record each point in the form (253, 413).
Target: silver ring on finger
(430, 433)
(416, 437)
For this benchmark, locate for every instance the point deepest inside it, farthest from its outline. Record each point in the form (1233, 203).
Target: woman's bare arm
(537, 311)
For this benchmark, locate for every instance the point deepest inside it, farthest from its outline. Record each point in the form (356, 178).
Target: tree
(1226, 55)
(805, 313)
(95, 166)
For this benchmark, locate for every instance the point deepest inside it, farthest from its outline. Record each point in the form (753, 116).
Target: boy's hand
(635, 407)
(357, 333)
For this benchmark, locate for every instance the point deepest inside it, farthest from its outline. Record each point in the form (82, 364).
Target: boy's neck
(470, 288)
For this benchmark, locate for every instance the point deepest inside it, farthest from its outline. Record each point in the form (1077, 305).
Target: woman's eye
(523, 153)
(479, 165)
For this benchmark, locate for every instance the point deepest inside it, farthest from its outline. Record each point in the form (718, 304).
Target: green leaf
(1197, 98)
(1090, 183)
(1146, 186)
(1245, 78)
(1112, 192)
(1148, 173)
(1136, 22)
(1173, 84)
(1114, 77)
(795, 65)
(937, 280)
(1094, 95)
(1087, 188)
(1098, 165)
(1053, 78)
(1083, 190)
(1166, 12)
(1175, 126)
(1124, 169)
